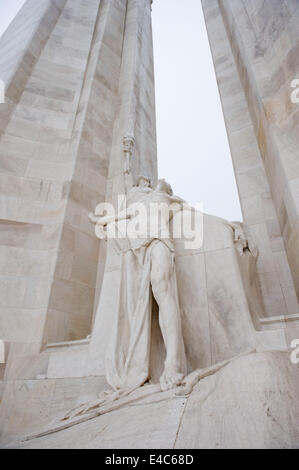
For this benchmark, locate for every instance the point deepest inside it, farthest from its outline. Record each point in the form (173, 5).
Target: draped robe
(129, 349)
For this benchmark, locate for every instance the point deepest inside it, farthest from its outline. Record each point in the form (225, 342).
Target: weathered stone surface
(251, 403)
(254, 48)
(66, 73)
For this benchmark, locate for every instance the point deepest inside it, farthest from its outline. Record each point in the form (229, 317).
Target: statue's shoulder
(137, 189)
(137, 195)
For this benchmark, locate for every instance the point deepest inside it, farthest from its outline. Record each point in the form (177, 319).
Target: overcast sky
(8, 10)
(193, 151)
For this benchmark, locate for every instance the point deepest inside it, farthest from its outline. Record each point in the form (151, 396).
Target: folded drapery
(128, 354)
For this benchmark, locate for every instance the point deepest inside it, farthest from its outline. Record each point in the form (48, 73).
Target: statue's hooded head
(144, 181)
(165, 187)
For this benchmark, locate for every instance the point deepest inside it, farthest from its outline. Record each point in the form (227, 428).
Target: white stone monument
(197, 338)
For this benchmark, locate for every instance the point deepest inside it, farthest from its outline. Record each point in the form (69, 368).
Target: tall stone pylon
(79, 82)
(255, 48)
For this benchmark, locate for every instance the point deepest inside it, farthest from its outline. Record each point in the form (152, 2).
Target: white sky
(8, 10)
(193, 151)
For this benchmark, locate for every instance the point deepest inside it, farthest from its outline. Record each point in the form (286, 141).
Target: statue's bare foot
(171, 378)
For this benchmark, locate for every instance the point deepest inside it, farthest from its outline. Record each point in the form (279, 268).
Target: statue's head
(144, 181)
(165, 187)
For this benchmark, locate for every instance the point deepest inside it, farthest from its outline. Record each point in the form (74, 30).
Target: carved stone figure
(148, 267)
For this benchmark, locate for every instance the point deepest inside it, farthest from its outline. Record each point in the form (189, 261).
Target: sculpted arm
(125, 214)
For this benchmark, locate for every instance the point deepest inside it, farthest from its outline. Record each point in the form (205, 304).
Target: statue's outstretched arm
(123, 215)
(93, 218)
(101, 220)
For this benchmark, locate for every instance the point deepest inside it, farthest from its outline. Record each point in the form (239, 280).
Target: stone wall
(254, 46)
(64, 63)
(73, 290)
(135, 115)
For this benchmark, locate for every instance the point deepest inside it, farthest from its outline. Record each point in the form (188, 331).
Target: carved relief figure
(148, 267)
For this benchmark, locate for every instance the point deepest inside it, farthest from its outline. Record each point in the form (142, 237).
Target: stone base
(252, 403)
